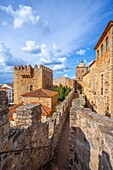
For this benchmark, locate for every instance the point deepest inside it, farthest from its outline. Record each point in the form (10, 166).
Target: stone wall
(92, 87)
(41, 100)
(50, 101)
(31, 144)
(4, 119)
(65, 81)
(91, 139)
(99, 88)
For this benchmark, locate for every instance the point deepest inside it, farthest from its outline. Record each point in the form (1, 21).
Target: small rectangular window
(102, 50)
(97, 54)
(107, 41)
(101, 84)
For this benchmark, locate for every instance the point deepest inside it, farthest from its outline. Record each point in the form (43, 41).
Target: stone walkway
(61, 159)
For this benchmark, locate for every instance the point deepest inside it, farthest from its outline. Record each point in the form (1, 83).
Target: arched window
(102, 50)
(97, 54)
(107, 41)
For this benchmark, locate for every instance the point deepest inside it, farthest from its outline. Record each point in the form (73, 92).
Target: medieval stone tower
(27, 78)
(81, 70)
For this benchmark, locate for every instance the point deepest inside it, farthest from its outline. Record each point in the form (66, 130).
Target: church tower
(81, 70)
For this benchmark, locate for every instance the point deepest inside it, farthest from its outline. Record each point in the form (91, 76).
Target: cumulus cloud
(31, 47)
(46, 55)
(60, 67)
(50, 56)
(81, 52)
(65, 75)
(7, 61)
(24, 14)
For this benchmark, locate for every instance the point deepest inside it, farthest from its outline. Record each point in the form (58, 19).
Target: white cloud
(31, 47)
(23, 15)
(81, 52)
(60, 67)
(65, 75)
(7, 61)
(46, 55)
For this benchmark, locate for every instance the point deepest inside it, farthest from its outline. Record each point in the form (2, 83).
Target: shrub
(62, 92)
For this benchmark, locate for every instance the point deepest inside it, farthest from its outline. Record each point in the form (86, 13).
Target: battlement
(32, 138)
(30, 68)
(45, 68)
(28, 71)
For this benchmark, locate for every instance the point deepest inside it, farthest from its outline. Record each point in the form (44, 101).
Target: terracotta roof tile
(13, 108)
(11, 85)
(40, 93)
(4, 88)
(46, 111)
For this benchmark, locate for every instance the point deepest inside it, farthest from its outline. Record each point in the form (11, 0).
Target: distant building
(65, 81)
(8, 88)
(98, 83)
(81, 70)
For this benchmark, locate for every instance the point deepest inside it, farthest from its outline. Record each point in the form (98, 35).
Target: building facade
(42, 96)
(28, 79)
(81, 69)
(99, 88)
(8, 88)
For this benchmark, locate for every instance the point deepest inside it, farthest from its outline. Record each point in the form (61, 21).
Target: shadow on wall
(81, 156)
(80, 152)
(104, 162)
(89, 105)
(78, 87)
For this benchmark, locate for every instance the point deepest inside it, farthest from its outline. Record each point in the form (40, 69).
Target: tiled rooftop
(45, 109)
(41, 93)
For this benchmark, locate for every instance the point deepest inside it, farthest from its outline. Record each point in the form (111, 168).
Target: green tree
(62, 92)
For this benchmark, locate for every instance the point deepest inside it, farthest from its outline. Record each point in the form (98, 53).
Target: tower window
(31, 88)
(102, 50)
(97, 54)
(107, 42)
(101, 84)
(48, 81)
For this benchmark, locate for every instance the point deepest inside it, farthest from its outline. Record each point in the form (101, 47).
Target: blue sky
(58, 34)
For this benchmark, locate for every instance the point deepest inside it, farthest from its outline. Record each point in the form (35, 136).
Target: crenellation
(35, 67)
(45, 68)
(21, 67)
(30, 134)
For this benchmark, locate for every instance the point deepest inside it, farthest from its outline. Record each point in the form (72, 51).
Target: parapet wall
(31, 144)
(91, 139)
(45, 68)
(29, 68)
(4, 119)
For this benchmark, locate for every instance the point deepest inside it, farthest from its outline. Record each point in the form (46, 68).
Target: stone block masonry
(31, 144)
(91, 139)
(28, 78)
